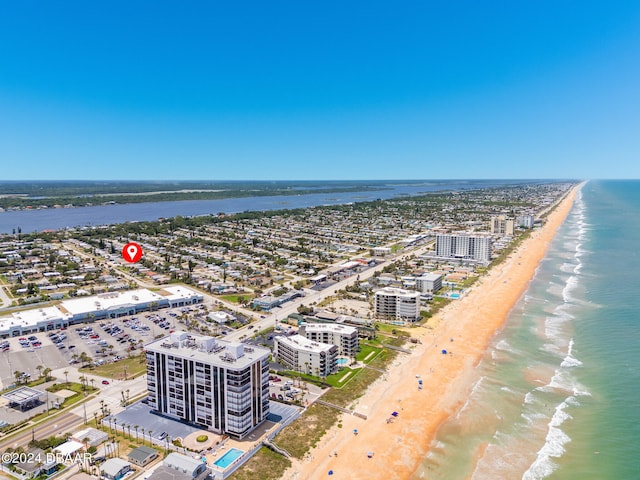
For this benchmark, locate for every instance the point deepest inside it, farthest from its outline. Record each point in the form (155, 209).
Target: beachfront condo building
(501, 225)
(429, 282)
(303, 355)
(219, 385)
(398, 304)
(526, 221)
(464, 246)
(344, 337)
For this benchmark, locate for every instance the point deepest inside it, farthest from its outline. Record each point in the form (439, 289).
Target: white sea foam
(563, 381)
(529, 398)
(570, 361)
(569, 288)
(533, 417)
(504, 346)
(553, 446)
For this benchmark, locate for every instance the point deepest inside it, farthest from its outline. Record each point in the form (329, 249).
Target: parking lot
(103, 341)
(287, 389)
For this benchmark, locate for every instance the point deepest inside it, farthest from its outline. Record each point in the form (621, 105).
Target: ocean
(558, 391)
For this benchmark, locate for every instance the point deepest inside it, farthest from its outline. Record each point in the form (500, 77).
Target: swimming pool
(342, 361)
(228, 458)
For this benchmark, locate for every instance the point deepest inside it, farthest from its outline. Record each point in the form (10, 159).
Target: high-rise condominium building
(222, 386)
(464, 246)
(397, 303)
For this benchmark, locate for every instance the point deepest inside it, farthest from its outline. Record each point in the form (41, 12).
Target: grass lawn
(334, 379)
(364, 352)
(264, 465)
(134, 366)
(306, 431)
(236, 298)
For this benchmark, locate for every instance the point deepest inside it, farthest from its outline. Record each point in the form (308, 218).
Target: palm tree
(150, 432)
(18, 376)
(136, 428)
(142, 430)
(46, 373)
(66, 377)
(93, 383)
(40, 368)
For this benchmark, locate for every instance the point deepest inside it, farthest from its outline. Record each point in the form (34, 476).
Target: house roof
(140, 454)
(113, 466)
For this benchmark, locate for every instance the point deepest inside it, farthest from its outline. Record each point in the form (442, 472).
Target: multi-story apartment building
(344, 337)
(303, 355)
(397, 303)
(501, 225)
(429, 282)
(526, 221)
(222, 386)
(464, 246)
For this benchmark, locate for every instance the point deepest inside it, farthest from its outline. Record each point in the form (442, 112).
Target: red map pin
(132, 252)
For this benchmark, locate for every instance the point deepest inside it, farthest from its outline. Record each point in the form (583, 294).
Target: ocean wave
(504, 346)
(563, 381)
(553, 446)
(570, 361)
(532, 417)
(570, 286)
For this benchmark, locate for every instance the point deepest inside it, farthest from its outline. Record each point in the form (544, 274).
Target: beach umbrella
(355, 431)
(330, 472)
(370, 454)
(444, 352)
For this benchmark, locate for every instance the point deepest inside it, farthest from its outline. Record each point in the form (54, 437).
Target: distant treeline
(82, 199)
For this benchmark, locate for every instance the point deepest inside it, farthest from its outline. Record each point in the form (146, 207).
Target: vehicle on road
(105, 382)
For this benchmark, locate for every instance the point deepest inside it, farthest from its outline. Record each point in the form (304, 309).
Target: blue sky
(319, 90)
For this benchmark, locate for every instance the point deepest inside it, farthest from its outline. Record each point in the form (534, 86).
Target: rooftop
(330, 327)
(208, 350)
(23, 395)
(299, 342)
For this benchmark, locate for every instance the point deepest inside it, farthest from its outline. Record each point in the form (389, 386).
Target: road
(54, 426)
(313, 296)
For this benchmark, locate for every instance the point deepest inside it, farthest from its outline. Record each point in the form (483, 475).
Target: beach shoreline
(465, 329)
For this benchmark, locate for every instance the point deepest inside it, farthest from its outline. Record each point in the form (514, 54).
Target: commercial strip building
(344, 337)
(303, 355)
(464, 246)
(96, 307)
(268, 302)
(222, 386)
(396, 303)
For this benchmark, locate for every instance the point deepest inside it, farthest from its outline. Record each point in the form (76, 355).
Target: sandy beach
(464, 329)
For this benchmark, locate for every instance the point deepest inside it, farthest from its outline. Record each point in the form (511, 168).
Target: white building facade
(464, 247)
(396, 303)
(344, 337)
(96, 307)
(222, 386)
(429, 282)
(303, 355)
